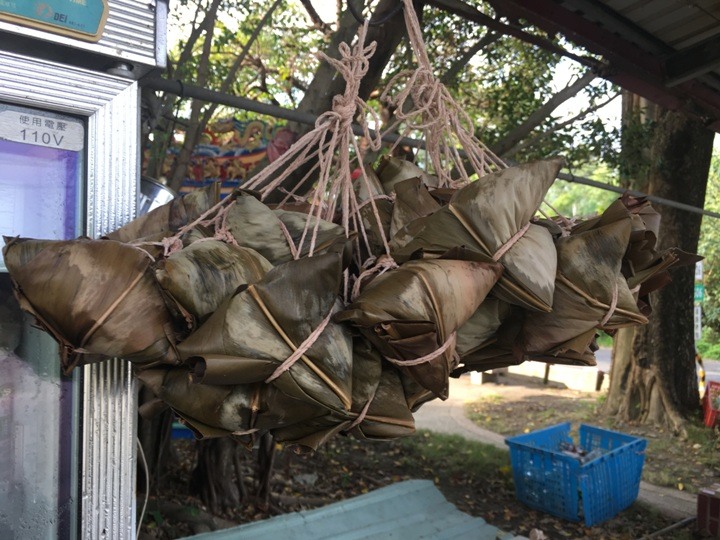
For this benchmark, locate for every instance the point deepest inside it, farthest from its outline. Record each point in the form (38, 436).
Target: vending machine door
(69, 166)
(42, 173)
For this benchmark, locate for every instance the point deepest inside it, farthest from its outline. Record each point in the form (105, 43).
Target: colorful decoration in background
(229, 149)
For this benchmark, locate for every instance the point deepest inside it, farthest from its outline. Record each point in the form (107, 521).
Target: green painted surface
(405, 511)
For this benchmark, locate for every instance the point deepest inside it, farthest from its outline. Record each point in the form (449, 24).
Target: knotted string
(428, 357)
(382, 265)
(330, 143)
(426, 104)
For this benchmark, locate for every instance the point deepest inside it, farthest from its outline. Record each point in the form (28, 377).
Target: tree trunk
(218, 476)
(154, 436)
(327, 83)
(653, 374)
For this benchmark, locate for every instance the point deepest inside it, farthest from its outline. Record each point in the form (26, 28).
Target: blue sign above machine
(81, 19)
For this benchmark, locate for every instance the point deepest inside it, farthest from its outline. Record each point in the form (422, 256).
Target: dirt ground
(476, 478)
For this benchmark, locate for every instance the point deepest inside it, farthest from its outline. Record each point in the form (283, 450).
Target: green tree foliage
(571, 199)
(500, 85)
(710, 249)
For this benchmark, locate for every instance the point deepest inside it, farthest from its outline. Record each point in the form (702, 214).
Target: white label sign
(698, 323)
(699, 271)
(28, 128)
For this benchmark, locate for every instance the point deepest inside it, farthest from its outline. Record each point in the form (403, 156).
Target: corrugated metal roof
(665, 50)
(408, 510)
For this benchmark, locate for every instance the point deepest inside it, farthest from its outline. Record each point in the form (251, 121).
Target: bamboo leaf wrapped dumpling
(259, 327)
(95, 297)
(412, 201)
(590, 293)
(392, 170)
(204, 274)
(222, 410)
(275, 234)
(170, 217)
(414, 311)
(492, 216)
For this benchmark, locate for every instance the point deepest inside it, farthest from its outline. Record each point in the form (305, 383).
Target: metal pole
(185, 90)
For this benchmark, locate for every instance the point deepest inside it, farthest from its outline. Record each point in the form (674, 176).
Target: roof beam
(693, 61)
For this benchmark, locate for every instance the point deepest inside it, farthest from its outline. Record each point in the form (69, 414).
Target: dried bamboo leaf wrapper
(330, 236)
(203, 275)
(412, 201)
(656, 274)
(268, 321)
(95, 297)
(501, 350)
(253, 225)
(579, 351)
(392, 170)
(388, 415)
(373, 227)
(482, 325)
(415, 310)
(216, 411)
(170, 217)
(590, 292)
(275, 234)
(529, 266)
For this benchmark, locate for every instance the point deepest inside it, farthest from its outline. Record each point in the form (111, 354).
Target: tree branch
(537, 117)
(539, 137)
(449, 78)
(315, 17)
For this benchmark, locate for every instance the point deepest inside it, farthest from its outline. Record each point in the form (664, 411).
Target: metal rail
(185, 90)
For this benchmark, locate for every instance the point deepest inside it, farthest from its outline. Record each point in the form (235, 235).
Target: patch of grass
(604, 340)
(457, 454)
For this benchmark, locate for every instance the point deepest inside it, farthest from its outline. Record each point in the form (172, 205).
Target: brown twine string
(510, 243)
(435, 112)
(568, 223)
(427, 358)
(221, 230)
(101, 320)
(290, 241)
(363, 413)
(376, 198)
(613, 306)
(301, 350)
(382, 265)
(332, 134)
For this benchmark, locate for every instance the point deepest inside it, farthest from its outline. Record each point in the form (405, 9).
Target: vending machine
(69, 166)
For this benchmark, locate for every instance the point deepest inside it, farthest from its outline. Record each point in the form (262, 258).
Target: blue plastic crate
(180, 431)
(547, 479)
